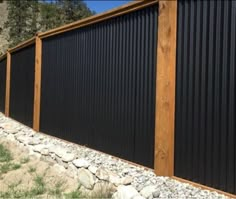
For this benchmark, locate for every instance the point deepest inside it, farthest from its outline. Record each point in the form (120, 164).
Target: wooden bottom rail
(203, 187)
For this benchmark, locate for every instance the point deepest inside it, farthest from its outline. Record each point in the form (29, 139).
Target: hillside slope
(3, 31)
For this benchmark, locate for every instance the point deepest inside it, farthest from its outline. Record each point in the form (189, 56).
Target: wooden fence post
(8, 78)
(165, 88)
(37, 83)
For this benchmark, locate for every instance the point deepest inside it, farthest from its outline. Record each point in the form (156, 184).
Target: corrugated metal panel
(98, 85)
(22, 85)
(205, 139)
(3, 65)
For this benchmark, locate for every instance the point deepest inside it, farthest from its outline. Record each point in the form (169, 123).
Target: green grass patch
(31, 169)
(39, 186)
(24, 160)
(8, 166)
(58, 189)
(5, 154)
(73, 195)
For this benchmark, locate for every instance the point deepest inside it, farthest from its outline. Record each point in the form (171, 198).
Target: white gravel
(72, 157)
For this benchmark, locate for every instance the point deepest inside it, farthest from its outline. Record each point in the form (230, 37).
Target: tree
(50, 15)
(27, 17)
(34, 17)
(21, 21)
(73, 10)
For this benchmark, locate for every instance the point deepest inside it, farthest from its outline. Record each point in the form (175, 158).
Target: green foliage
(24, 160)
(39, 186)
(73, 194)
(5, 155)
(27, 17)
(32, 169)
(73, 10)
(58, 189)
(8, 166)
(19, 20)
(50, 16)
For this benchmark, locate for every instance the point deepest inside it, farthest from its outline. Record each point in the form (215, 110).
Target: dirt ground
(24, 172)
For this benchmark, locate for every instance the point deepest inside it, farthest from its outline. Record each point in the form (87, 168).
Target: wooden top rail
(127, 8)
(3, 56)
(22, 45)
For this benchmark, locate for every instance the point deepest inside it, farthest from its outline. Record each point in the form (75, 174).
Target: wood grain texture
(165, 89)
(22, 45)
(37, 83)
(130, 7)
(8, 81)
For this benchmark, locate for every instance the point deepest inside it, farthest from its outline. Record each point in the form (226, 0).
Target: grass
(24, 160)
(40, 187)
(58, 189)
(74, 194)
(31, 169)
(104, 191)
(5, 155)
(8, 166)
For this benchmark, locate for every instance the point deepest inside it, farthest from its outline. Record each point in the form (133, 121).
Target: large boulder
(86, 178)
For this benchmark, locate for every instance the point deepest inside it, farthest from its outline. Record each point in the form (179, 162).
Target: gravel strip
(130, 181)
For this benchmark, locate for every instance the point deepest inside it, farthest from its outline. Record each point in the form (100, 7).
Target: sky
(104, 5)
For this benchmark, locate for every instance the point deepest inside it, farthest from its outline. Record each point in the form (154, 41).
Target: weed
(8, 166)
(104, 190)
(5, 155)
(31, 169)
(74, 194)
(58, 189)
(13, 192)
(24, 160)
(39, 186)
(15, 166)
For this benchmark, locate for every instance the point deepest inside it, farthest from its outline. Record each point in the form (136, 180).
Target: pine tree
(50, 15)
(18, 21)
(73, 10)
(27, 17)
(34, 17)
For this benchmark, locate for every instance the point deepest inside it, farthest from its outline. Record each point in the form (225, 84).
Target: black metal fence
(22, 85)
(98, 85)
(205, 139)
(3, 65)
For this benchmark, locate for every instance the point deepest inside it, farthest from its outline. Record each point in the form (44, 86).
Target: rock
(92, 169)
(33, 141)
(11, 131)
(59, 151)
(81, 163)
(60, 162)
(59, 168)
(156, 194)
(138, 197)
(114, 178)
(102, 174)
(147, 191)
(22, 139)
(68, 157)
(39, 148)
(9, 128)
(47, 159)
(72, 171)
(126, 192)
(11, 137)
(86, 178)
(127, 180)
(44, 152)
